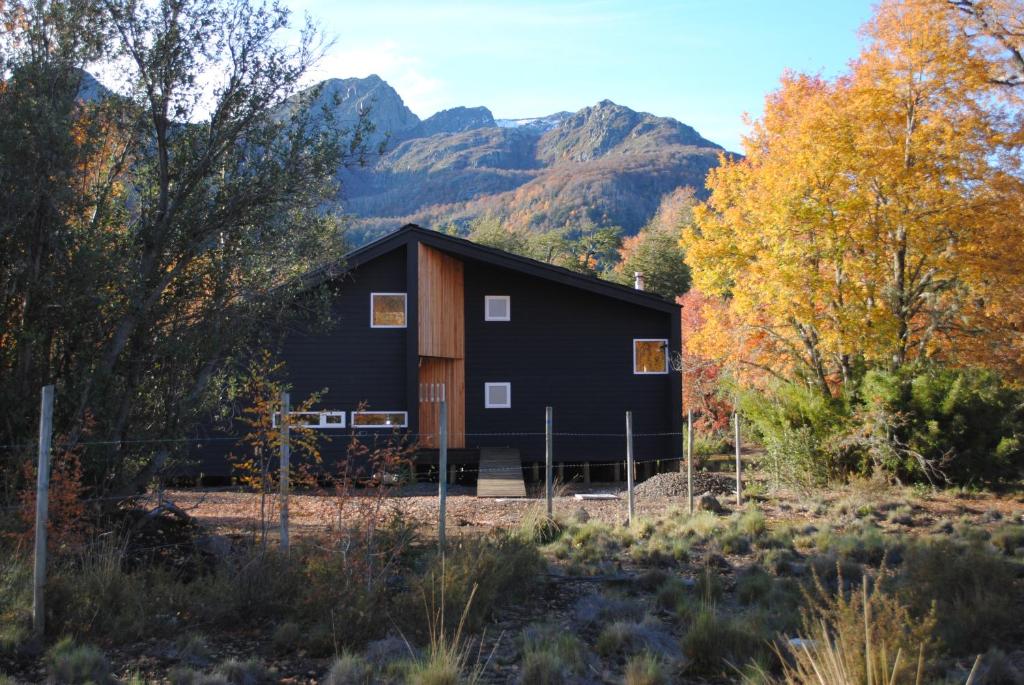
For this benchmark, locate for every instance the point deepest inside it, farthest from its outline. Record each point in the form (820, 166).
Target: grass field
(909, 584)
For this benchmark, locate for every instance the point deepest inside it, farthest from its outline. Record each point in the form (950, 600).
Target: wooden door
(451, 373)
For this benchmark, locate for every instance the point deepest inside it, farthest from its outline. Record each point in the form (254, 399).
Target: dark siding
(570, 349)
(354, 362)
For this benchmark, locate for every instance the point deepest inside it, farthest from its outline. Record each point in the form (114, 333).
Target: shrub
(349, 669)
(15, 601)
(542, 668)
(798, 426)
(671, 595)
(1008, 538)
(550, 655)
(709, 586)
(618, 637)
(498, 568)
(971, 589)
(752, 523)
(842, 624)
(92, 594)
(857, 638)
(645, 669)
(963, 424)
(181, 675)
(249, 672)
(286, 637)
(537, 528)
(753, 585)
(72, 664)
(715, 645)
(191, 648)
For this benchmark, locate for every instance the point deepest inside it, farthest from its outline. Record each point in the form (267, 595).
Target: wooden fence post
(689, 460)
(629, 466)
(739, 462)
(286, 458)
(549, 487)
(42, 511)
(442, 419)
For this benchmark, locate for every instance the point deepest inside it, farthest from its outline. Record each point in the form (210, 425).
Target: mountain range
(605, 164)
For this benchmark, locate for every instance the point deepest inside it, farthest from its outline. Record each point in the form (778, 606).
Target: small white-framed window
(380, 419)
(322, 420)
(387, 310)
(650, 356)
(497, 395)
(497, 308)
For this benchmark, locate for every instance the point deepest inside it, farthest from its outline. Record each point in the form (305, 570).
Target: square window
(650, 355)
(387, 310)
(497, 395)
(497, 308)
(380, 419)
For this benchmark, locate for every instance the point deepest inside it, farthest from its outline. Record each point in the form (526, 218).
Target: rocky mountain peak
(456, 120)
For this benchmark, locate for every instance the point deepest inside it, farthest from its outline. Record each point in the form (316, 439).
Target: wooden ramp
(501, 473)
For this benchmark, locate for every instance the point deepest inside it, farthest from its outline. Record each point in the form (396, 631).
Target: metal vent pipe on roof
(638, 281)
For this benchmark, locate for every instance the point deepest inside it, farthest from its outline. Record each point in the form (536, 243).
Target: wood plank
(501, 473)
(441, 312)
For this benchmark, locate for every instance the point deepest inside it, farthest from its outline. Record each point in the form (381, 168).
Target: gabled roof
(411, 233)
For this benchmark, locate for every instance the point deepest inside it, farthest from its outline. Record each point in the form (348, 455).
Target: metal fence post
(739, 463)
(629, 465)
(689, 460)
(548, 461)
(442, 489)
(42, 510)
(286, 454)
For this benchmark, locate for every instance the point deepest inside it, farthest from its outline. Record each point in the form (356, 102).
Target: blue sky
(704, 62)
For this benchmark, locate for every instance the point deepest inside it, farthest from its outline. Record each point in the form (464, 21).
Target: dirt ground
(235, 511)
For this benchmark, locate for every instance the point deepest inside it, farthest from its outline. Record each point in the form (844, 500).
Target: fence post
(42, 510)
(286, 458)
(739, 463)
(442, 490)
(689, 459)
(629, 465)
(548, 461)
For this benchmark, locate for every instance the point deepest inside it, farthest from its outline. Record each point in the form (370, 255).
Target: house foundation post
(586, 473)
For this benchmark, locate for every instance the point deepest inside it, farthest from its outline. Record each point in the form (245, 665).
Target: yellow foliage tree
(876, 217)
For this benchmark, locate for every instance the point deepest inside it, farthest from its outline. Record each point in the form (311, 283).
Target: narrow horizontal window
(387, 310)
(313, 419)
(497, 395)
(650, 355)
(497, 308)
(380, 419)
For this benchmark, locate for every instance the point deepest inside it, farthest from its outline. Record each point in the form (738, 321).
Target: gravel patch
(674, 485)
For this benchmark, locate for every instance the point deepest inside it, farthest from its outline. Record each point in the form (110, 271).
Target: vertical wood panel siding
(441, 324)
(442, 347)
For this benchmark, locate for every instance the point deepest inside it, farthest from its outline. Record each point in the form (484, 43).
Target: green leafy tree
(150, 239)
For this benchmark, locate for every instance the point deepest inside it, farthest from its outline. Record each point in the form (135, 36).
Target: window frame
(322, 424)
(404, 424)
(487, 395)
(664, 347)
(487, 308)
(405, 310)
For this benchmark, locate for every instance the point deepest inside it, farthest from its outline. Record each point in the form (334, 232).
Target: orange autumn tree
(875, 218)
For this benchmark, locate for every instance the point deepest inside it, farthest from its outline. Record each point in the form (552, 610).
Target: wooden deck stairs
(501, 473)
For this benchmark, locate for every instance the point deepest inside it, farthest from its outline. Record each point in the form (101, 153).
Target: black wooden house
(507, 336)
